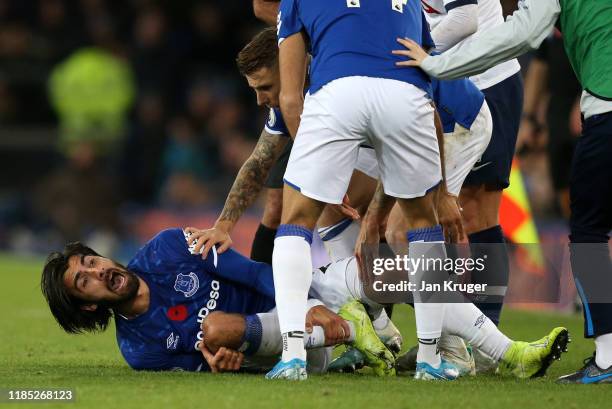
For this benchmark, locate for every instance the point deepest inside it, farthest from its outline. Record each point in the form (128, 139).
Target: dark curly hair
(65, 307)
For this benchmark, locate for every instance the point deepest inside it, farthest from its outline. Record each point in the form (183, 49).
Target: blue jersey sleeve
(170, 250)
(232, 266)
(275, 124)
(288, 20)
(165, 362)
(235, 267)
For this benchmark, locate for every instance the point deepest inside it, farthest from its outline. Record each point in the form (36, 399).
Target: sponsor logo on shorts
(480, 166)
(480, 321)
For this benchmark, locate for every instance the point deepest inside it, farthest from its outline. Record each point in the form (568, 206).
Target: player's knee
(419, 212)
(394, 235)
(480, 208)
(300, 210)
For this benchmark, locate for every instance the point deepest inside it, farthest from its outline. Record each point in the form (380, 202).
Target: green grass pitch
(35, 353)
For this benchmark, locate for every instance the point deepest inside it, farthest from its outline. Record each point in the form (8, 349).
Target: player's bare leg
(337, 231)
(273, 208)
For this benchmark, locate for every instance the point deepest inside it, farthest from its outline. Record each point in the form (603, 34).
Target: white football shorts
(367, 163)
(464, 147)
(337, 283)
(394, 117)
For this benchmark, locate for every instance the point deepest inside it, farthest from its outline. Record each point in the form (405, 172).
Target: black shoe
(407, 362)
(590, 373)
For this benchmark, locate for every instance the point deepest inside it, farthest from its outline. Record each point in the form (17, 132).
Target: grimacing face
(266, 84)
(99, 280)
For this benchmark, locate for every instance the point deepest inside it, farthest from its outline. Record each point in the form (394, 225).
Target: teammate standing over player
(356, 96)
(258, 63)
(587, 32)
(452, 22)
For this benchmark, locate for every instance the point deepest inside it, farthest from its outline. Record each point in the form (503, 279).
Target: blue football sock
(491, 243)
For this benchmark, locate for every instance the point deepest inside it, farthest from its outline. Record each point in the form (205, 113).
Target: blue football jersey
(356, 37)
(458, 102)
(275, 124)
(184, 289)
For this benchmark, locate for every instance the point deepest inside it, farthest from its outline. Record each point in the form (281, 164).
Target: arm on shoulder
(460, 23)
(523, 31)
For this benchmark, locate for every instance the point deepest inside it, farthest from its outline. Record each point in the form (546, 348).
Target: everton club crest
(187, 284)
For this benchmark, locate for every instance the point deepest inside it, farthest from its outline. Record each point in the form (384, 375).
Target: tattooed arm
(251, 178)
(244, 191)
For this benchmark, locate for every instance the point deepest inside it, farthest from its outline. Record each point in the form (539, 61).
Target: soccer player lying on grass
(176, 310)
(164, 304)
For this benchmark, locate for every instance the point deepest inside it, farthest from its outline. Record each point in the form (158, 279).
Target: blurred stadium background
(120, 118)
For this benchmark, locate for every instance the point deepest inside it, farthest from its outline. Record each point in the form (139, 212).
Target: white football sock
(292, 267)
(319, 359)
(603, 351)
(314, 339)
(429, 315)
(469, 323)
(352, 334)
(381, 319)
(271, 340)
(428, 352)
(339, 240)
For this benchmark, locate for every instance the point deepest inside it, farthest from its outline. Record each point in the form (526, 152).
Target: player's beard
(128, 290)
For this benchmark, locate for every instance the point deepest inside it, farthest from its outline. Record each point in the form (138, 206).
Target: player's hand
(224, 360)
(335, 328)
(450, 217)
(346, 209)
(369, 235)
(412, 51)
(201, 241)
